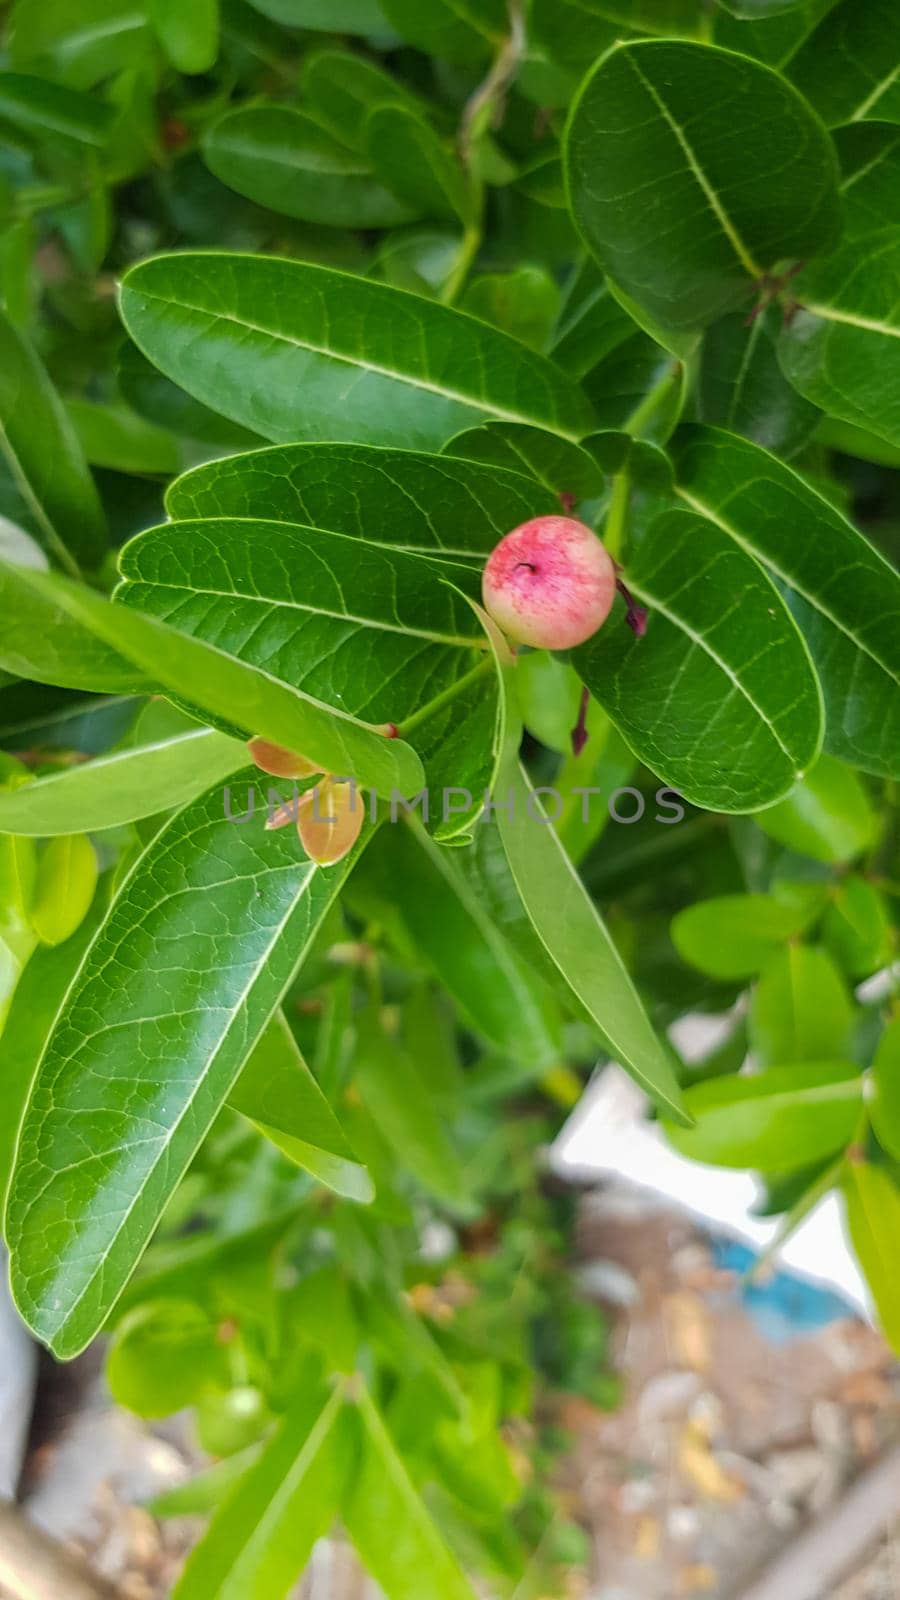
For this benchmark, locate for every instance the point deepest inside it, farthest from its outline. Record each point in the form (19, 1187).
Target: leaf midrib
(472, 403)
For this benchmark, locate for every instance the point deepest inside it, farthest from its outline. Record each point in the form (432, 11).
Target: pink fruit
(550, 583)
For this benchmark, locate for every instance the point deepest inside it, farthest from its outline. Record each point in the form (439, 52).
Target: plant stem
(446, 696)
(652, 401)
(471, 244)
(617, 516)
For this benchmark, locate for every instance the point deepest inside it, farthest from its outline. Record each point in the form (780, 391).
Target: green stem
(446, 696)
(471, 244)
(653, 400)
(615, 529)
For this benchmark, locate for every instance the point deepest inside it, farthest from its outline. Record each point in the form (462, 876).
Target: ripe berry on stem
(550, 583)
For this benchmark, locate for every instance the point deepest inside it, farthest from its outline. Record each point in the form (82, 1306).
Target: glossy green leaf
(242, 695)
(562, 467)
(123, 785)
(162, 1357)
(197, 976)
(284, 160)
(774, 1121)
(64, 887)
(523, 303)
(116, 437)
(261, 1537)
(639, 388)
(423, 896)
(161, 402)
(592, 322)
(801, 1009)
(38, 996)
(857, 928)
(707, 698)
(440, 507)
(719, 147)
(40, 450)
(417, 166)
(563, 916)
(828, 816)
(869, 153)
(341, 88)
(843, 594)
(734, 936)
(463, 31)
(397, 1096)
(873, 1216)
(288, 348)
(389, 1523)
(18, 871)
(328, 16)
(40, 639)
(841, 348)
(50, 109)
(206, 1489)
(884, 1107)
(277, 1091)
(189, 34)
(742, 387)
(849, 67)
(549, 692)
(379, 633)
(80, 44)
(773, 38)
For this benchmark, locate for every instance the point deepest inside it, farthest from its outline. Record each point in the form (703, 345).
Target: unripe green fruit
(550, 583)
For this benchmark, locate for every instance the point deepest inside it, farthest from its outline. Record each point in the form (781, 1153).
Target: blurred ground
(735, 1431)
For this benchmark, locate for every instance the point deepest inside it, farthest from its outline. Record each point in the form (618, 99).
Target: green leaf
(153, 397)
(463, 31)
(114, 436)
(242, 695)
(849, 67)
(205, 936)
(775, 36)
(163, 1356)
(81, 44)
(523, 303)
(123, 785)
(288, 348)
(592, 322)
(328, 16)
(418, 891)
(857, 928)
(64, 888)
(869, 153)
(576, 32)
(742, 387)
(562, 467)
(41, 639)
(639, 388)
(206, 1489)
(341, 89)
(375, 631)
(884, 1107)
(719, 698)
(188, 34)
(843, 594)
(18, 870)
(735, 935)
(841, 348)
(398, 1097)
(389, 1523)
(260, 1539)
(38, 996)
(40, 451)
(49, 109)
(284, 160)
(441, 507)
(873, 1217)
(774, 1121)
(549, 693)
(801, 1010)
(417, 166)
(566, 921)
(718, 147)
(277, 1091)
(828, 816)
